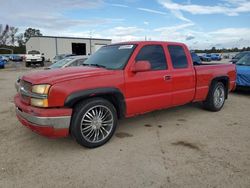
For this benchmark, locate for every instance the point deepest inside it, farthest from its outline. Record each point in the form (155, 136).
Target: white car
(34, 57)
(71, 61)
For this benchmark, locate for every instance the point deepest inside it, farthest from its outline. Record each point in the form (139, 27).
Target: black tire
(27, 64)
(81, 113)
(215, 102)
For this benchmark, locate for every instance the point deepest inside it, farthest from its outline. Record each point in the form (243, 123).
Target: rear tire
(93, 122)
(216, 97)
(27, 64)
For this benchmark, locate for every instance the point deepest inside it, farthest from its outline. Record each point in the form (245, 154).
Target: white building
(51, 46)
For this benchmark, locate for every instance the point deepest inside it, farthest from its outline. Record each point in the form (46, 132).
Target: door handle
(167, 77)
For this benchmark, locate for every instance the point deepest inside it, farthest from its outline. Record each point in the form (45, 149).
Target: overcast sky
(198, 23)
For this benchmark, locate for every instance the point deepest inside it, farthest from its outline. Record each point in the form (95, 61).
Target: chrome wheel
(97, 123)
(219, 96)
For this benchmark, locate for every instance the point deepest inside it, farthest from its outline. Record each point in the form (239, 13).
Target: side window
(81, 61)
(75, 63)
(178, 56)
(155, 55)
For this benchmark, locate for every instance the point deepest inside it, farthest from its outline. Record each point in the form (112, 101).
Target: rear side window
(155, 55)
(178, 56)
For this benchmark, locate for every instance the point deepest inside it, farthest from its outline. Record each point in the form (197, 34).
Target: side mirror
(141, 66)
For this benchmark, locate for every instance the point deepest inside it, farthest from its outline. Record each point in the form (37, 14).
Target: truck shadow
(127, 128)
(245, 91)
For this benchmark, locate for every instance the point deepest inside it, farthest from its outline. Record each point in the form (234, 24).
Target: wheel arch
(113, 95)
(222, 79)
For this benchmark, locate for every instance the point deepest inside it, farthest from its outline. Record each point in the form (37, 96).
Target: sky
(198, 23)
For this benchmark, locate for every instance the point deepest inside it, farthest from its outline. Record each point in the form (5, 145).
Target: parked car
(243, 71)
(119, 80)
(34, 57)
(238, 56)
(2, 63)
(16, 58)
(4, 58)
(215, 57)
(68, 62)
(226, 56)
(206, 57)
(61, 56)
(196, 59)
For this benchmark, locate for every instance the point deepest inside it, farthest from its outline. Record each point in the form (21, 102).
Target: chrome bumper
(55, 122)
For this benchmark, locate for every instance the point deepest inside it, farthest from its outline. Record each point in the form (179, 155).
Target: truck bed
(205, 74)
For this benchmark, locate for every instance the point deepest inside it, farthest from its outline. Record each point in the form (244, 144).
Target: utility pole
(90, 40)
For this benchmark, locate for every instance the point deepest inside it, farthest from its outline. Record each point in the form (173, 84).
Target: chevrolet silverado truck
(119, 80)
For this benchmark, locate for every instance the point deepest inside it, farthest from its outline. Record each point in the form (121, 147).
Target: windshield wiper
(242, 64)
(94, 65)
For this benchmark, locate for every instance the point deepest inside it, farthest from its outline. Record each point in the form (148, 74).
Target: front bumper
(51, 123)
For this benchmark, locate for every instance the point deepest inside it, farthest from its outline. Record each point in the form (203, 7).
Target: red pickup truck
(119, 80)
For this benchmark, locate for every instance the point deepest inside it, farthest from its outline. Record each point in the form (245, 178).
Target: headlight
(39, 102)
(41, 89)
(40, 99)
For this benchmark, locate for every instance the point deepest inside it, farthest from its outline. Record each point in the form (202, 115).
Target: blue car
(215, 57)
(243, 71)
(206, 57)
(196, 59)
(16, 58)
(2, 64)
(238, 56)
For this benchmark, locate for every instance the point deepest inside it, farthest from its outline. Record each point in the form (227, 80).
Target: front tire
(93, 122)
(216, 97)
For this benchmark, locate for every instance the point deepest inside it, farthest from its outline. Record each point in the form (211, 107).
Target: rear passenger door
(183, 75)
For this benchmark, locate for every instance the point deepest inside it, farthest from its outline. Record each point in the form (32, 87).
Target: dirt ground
(179, 147)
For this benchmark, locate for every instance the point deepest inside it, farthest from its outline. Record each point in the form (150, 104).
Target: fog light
(39, 102)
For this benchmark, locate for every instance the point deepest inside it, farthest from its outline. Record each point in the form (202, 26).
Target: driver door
(149, 90)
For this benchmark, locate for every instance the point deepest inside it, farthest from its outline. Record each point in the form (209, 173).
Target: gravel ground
(179, 147)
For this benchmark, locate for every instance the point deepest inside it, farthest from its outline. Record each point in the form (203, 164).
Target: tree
(213, 50)
(4, 34)
(20, 39)
(31, 32)
(12, 35)
(8, 35)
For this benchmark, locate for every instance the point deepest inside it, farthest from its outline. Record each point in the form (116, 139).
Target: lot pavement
(179, 147)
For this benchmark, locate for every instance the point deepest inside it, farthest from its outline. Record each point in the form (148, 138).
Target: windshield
(61, 63)
(244, 60)
(33, 52)
(112, 56)
(59, 57)
(240, 55)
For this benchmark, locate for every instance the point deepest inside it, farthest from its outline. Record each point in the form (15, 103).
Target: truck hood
(58, 75)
